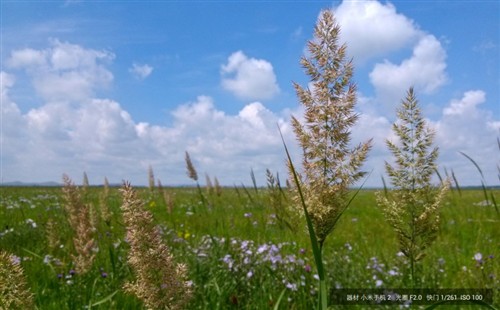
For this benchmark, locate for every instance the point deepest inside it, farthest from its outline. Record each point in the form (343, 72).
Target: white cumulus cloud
(141, 71)
(64, 71)
(425, 70)
(372, 29)
(249, 78)
(467, 127)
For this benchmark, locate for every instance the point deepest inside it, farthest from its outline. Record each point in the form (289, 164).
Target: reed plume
(412, 208)
(218, 188)
(85, 181)
(82, 220)
(208, 185)
(105, 212)
(151, 179)
(191, 171)
(192, 174)
(53, 234)
(160, 282)
(168, 198)
(14, 291)
(330, 164)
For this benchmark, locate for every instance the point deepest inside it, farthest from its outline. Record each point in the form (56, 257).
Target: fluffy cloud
(466, 127)
(249, 78)
(64, 71)
(98, 136)
(466, 105)
(425, 70)
(73, 131)
(371, 28)
(141, 71)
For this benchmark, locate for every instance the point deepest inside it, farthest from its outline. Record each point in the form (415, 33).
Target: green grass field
(239, 253)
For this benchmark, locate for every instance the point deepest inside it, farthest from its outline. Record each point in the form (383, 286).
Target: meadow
(242, 247)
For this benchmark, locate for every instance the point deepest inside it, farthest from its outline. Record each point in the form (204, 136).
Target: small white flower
(16, 260)
(31, 222)
(393, 272)
(478, 257)
(47, 259)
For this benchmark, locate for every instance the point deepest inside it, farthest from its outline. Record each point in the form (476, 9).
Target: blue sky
(111, 87)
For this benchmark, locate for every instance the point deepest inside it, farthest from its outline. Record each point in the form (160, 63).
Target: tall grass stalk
(193, 174)
(330, 164)
(160, 282)
(412, 207)
(316, 248)
(82, 220)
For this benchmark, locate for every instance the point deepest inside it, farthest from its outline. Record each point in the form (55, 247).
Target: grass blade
(277, 305)
(254, 181)
(474, 163)
(456, 183)
(105, 299)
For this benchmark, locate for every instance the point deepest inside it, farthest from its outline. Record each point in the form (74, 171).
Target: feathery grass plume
(169, 201)
(412, 207)
(330, 165)
(14, 291)
(85, 181)
(81, 220)
(192, 174)
(209, 186)
(53, 234)
(106, 214)
(168, 198)
(218, 188)
(160, 282)
(151, 179)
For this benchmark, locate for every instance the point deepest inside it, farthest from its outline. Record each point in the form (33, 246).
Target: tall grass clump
(160, 282)
(330, 164)
(14, 291)
(412, 207)
(278, 202)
